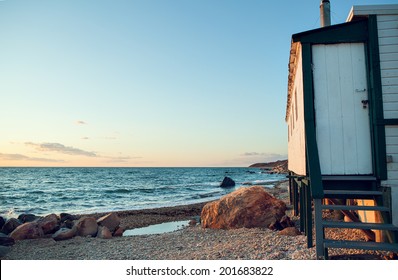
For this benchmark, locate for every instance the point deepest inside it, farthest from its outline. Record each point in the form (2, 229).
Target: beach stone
(25, 218)
(192, 223)
(104, 233)
(2, 222)
(245, 207)
(64, 234)
(66, 217)
(29, 230)
(119, 231)
(111, 221)
(227, 183)
(6, 241)
(289, 231)
(10, 225)
(86, 226)
(49, 223)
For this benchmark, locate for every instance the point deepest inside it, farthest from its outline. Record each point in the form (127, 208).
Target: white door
(342, 109)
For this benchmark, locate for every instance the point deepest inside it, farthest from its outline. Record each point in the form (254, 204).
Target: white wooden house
(342, 117)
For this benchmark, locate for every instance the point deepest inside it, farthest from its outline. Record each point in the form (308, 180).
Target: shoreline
(188, 243)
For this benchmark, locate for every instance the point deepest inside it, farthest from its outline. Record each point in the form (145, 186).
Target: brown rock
(119, 231)
(30, 230)
(245, 207)
(192, 222)
(10, 225)
(104, 232)
(111, 221)
(289, 231)
(86, 226)
(64, 233)
(49, 223)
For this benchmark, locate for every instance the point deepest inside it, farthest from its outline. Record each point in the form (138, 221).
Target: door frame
(361, 31)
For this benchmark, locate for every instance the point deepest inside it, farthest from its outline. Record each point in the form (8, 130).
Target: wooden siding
(342, 123)
(388, 45)
(295, 120)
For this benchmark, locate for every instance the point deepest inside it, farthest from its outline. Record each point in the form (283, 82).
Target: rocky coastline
(193, 242)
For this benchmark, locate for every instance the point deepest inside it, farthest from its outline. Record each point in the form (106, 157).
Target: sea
(43, 191)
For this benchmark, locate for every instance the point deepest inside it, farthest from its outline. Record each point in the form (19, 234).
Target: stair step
(352, 194)
(356, 207)
(348, 178)
(380, 226)
(361, 245)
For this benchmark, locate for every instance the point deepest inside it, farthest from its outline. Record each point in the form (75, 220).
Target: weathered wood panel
(342, 123)
(296, 137)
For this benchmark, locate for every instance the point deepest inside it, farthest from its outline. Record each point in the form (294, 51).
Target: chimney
(325, 13)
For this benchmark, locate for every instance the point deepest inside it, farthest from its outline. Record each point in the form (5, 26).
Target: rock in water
(245, 207)
(86, 226)
(227, 183)
(111, 221)
(30, 230)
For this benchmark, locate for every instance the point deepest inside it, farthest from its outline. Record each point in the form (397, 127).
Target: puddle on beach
(157, 229)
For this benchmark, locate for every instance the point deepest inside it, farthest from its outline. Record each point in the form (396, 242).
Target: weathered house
(342, 116)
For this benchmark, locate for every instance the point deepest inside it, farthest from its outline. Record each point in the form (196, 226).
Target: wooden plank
(392, 140)
(384, 65)
(391, 97)
(391, 114)
(388, 41)
(389, 73)
(391, 131)
(382, 25)
(389, 56)
(390, 90)
(386, 18)
(393, 32)
(388, 49)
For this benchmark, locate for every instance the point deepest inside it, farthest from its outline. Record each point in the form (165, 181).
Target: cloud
(85, 138)
(19, 157)
(59, 148)
(256, 154)
(122, 159)
(81, 122)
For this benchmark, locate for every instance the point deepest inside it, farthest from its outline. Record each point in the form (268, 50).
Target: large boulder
(30, 230)
(111, 221)
(64, 233)
(6, 241)
(227, 183)
(2, 222)
(86, 226)
(49, 223)
(245, 207)
(10, 225)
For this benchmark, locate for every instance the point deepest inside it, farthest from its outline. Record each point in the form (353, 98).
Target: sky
(148, 83)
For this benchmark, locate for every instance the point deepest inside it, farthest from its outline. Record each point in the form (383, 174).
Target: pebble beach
(188, 243)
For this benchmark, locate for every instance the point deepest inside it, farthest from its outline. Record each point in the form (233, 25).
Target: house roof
(366, 10)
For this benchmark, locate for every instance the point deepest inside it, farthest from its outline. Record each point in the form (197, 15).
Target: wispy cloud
(80, 122)
(257, 154)
(121, 159)
(59, 148)
(19, 157)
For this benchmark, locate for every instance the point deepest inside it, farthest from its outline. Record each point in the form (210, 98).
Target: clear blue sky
(149, 82)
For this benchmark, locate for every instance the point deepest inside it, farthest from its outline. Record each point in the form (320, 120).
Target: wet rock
(227, 183)
(25, 218)
(289, 231)
(10, 225)
(49, 223)
(245, 207)
(64, 234)
(66, 217)
(30, 230)
(86, 226)
(104, 233)
(192, 223)
(111, 221)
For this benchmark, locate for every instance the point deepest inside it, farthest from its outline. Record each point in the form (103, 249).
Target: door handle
(365, 103)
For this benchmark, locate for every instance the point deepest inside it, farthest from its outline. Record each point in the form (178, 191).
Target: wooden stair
(351, 187)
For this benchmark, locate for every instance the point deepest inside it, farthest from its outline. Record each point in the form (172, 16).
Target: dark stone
(227, 183)
(6, 241)
(25, 218)
(66, 217)
(10, 225)
(2, 222)
(4, 250)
